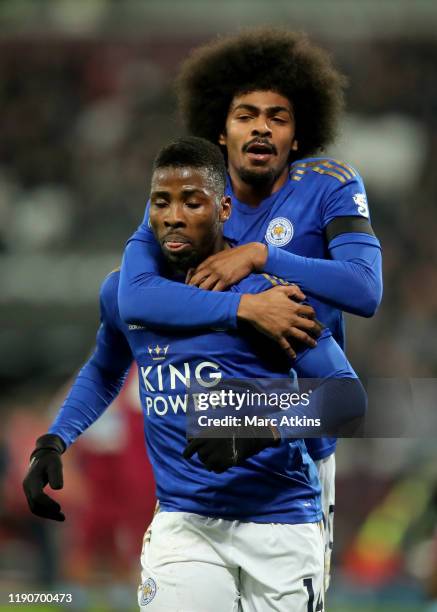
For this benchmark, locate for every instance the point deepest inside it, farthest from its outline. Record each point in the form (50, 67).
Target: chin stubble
(257, 179)
(181, 263)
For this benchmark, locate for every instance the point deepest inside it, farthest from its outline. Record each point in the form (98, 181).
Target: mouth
(259, 151)
(176, 243)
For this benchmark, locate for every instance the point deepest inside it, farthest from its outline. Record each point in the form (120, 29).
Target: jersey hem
(293, 518)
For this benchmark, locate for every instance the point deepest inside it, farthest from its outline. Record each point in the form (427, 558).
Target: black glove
(45, 468)
(220, 454)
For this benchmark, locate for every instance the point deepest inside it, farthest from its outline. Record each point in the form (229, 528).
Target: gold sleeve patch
(331, 167)
(275, 280)
(325, 170)
(348, 170)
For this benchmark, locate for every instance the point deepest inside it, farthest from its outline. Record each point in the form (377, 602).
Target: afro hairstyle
(262, 59)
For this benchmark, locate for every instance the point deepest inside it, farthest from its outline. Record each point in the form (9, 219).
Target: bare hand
(275, 313)
(220, 271)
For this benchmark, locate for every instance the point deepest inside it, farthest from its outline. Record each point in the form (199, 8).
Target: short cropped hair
(194, 152)
(262, 59)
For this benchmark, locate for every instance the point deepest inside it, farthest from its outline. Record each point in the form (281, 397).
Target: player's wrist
(48, 443)
(247, 308)
(259, 256)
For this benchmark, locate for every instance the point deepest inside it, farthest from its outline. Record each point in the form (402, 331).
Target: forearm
(331, 408)
(91, 393)
(352, 281)
(148, 299)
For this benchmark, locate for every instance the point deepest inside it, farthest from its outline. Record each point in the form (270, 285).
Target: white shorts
(192, 563)
(326, 469)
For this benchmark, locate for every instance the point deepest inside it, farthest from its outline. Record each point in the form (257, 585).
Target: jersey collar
(265, 204)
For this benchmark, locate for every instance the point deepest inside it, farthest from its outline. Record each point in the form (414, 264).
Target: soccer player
(243, 534)
(271, 99)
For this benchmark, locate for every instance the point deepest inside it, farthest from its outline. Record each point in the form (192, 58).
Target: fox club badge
(360, 200)
(279, 232)
(148, 591)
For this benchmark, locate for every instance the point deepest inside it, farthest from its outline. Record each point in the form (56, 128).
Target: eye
(193, 205)
(160, 204)
(244, 117)
(277, 119)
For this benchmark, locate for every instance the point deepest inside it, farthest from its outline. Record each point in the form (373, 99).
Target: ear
(222, 139)
(225, 209)
(294, 145)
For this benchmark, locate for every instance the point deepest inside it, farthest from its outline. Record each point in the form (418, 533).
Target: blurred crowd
(82, 120)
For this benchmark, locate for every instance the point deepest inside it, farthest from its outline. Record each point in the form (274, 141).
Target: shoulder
(326, 169)
(109, 287)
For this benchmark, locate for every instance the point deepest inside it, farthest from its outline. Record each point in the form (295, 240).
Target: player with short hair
(270, 98)
(243, 534)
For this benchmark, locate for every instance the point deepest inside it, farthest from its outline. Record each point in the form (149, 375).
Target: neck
(253, 195)
(219, 244)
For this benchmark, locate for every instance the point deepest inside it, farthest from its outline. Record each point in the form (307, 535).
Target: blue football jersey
(280, 484)
(277, 485)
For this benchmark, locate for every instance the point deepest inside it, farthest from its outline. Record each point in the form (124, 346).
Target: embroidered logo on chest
(279, 232)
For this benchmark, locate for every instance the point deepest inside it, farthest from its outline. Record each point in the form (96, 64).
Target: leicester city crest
(148, 591)
(279, 232)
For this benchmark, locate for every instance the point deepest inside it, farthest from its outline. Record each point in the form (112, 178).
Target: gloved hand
(220, 454)
(45, 468)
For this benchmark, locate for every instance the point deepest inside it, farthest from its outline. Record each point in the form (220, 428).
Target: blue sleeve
(350, 281)
(325, 361)
(100, 379)
(344, 198)
(337, 396)
(149, 299)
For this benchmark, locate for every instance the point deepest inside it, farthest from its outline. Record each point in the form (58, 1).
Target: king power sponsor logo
(167, 378)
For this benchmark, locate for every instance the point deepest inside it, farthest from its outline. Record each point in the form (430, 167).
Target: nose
(174, 216)
(261, 127)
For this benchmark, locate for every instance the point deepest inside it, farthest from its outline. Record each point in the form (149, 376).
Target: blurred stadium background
(85, 102)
